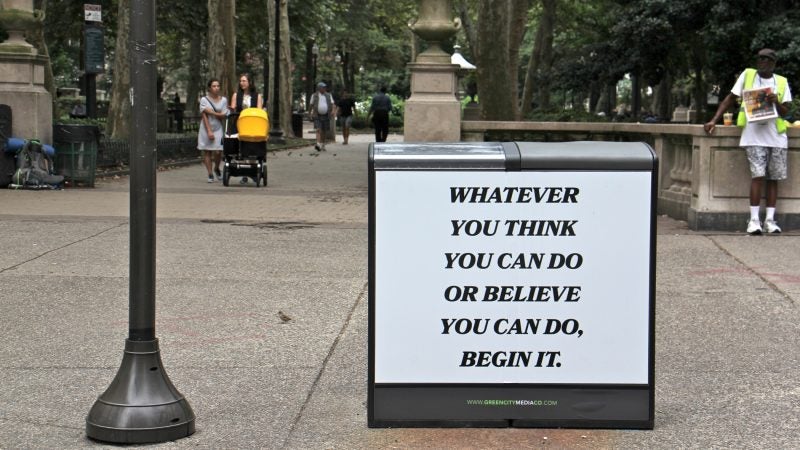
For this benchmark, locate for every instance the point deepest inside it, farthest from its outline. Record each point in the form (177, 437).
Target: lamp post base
(276, 136)
(141, 405)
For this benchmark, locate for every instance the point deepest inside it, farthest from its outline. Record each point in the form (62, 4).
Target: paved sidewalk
(231, 261)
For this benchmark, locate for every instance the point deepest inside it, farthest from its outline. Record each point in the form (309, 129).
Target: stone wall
(702, 179)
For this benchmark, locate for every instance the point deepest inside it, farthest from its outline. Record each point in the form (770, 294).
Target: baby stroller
(245, 146)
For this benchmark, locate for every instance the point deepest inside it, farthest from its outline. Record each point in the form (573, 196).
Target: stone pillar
(433, 113)
(22, 74)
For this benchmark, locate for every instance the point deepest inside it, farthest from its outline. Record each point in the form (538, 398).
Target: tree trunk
(222, 45)
(549, 18)
(285, 78)
(530, 75)
(196, 83)
(537, 77)
(468, 26)
(518, 17)
(492, 73)
(699, 90)
(662, 97)
(286, 70)
(636, 95)
(119, 108)
(611, 93)
(594, 96)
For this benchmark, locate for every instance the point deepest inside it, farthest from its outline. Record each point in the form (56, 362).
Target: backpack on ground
(34, 168)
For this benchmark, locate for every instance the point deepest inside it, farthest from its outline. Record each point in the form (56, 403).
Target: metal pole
(309, 87)
(275, 132)
(314, 77)
(142, 289)
(91, 95)
(266, 71)
(141, 405)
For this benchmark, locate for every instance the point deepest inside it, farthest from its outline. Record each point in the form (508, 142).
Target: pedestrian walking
(245, 97)
(323, 109)
(379, 112)
(345, 109)
(213, 109)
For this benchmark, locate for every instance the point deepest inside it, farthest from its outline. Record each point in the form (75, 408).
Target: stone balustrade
(702, 179)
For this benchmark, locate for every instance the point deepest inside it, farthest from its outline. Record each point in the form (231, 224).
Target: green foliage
(64, 105)
(253, 38)
(596, 43)
(782, 33)
(566, 115)
(177, 23)
(63, 31)
(372, 34)
(396, 118)
(794, 110)
(65, 72)
(735, 31)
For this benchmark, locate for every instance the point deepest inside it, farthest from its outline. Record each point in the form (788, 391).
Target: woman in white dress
(213, 109)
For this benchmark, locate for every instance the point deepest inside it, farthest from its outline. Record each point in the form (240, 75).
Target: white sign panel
(512, 277)
(92, 13)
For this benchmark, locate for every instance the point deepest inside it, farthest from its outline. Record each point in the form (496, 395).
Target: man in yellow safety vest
(765, 141)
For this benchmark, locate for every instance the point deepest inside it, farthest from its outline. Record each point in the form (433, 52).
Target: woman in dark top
(245, 97)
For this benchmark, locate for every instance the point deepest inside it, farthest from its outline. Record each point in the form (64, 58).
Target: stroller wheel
(226, 176)
(264, 174)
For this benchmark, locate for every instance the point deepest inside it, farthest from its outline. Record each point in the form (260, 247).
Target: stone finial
(435, 25)
(17, 17)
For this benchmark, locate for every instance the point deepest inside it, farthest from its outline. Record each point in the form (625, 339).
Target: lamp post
(275, 132)
(264, 50)
(309, 88)
(314, 56)
(464, 66)
(361, 75)
(141, 405)
(339, 78)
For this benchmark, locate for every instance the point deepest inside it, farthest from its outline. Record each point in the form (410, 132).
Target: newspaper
(756, 106)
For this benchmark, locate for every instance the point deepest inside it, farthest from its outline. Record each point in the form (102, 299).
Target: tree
(284, 56)
(253, 41)
(119, 109)
(182, 63)
(493, 59)
(518, 15)
(222, 44)
(541, 60)
(369, 33)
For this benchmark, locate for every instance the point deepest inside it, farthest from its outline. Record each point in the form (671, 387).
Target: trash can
(297, 124)
(496, 258)
(76, 152)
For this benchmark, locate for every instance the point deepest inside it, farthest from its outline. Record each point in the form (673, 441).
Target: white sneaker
(772, 226)
(754, 226)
